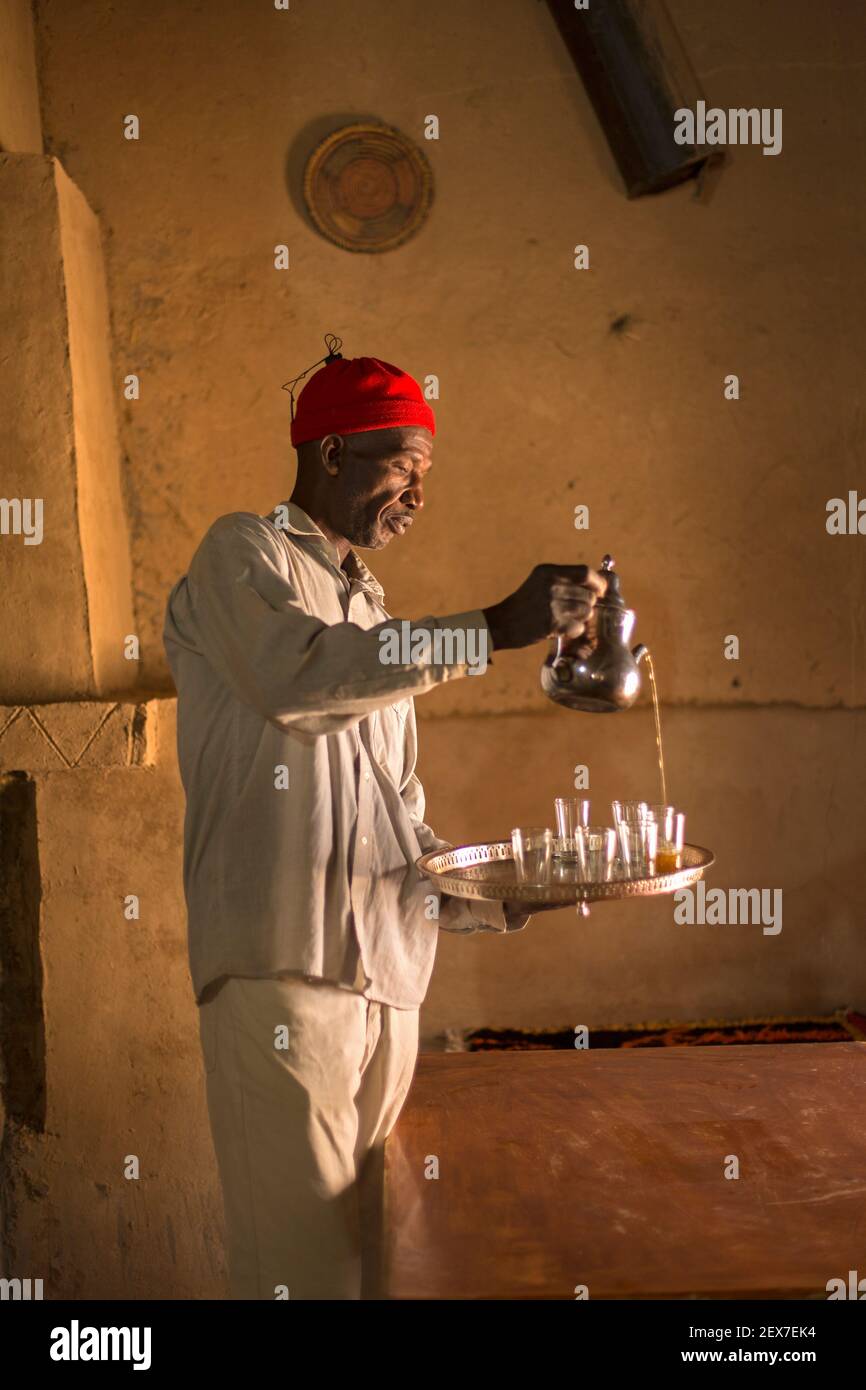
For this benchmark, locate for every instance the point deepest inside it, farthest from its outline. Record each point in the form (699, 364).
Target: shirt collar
(295, 520)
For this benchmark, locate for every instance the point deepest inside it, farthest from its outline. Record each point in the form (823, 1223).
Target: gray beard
(364, 531)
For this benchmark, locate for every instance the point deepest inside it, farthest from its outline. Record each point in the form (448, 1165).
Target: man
(311, 933)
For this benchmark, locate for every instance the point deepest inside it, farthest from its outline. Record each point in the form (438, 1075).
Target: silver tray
(487, 873)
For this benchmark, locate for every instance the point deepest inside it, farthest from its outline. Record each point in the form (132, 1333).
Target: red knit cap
(354, 394)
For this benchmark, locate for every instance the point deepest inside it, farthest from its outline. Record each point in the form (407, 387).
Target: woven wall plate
(368, 188)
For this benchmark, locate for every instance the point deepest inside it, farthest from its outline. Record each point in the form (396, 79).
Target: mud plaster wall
(20, 121)
(119, 1062)
(69, 596)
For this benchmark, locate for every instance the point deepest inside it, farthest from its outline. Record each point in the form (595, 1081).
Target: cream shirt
(297, 749)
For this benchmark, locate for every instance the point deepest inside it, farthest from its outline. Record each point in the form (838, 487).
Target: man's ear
(331, 449)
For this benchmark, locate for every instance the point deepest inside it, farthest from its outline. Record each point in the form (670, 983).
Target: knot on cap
(350, 395)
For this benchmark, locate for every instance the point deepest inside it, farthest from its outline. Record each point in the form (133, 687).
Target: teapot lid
(613, 595)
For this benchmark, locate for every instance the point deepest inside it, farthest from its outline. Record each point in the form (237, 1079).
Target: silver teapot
(597, 671)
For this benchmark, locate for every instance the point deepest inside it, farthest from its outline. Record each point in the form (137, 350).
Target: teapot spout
(639, 652)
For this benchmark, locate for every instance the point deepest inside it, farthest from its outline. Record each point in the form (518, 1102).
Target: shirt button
(366, 776)
(363, 839)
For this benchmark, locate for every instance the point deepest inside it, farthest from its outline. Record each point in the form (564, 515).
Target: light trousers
(304, 1083)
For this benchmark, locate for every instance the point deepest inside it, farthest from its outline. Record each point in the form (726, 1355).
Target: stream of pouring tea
(655, 694)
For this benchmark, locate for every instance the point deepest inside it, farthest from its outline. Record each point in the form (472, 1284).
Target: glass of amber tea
(671, 838)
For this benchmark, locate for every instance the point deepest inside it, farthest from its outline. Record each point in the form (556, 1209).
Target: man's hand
(556, 600)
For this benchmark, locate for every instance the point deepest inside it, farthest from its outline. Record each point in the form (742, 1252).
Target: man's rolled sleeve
(294, 669)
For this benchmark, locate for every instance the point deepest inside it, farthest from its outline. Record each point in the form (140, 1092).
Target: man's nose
(415, 492)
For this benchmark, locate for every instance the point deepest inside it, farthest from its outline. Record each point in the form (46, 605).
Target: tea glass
(532, 847)
(638, 844)
(571, 813)
(596, 848)
(671, 837)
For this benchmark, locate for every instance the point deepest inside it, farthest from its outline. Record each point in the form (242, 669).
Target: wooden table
(606, 1168)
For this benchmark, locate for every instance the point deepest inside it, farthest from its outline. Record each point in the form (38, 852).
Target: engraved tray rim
(436, 865)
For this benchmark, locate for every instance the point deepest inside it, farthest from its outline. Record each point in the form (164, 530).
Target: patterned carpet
(846, 1025)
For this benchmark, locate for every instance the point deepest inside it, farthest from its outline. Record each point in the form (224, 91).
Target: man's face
(379, 479)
